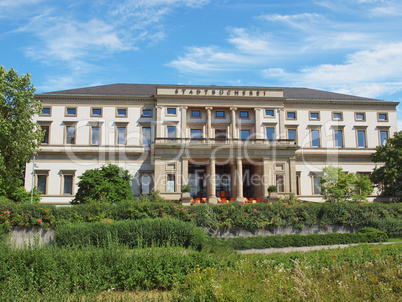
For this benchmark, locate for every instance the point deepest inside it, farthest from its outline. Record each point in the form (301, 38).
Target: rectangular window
(68, 184)
(171, 131)
(196, 133)
(96, 111)
(361, 138)
(171, 111)
(45, 130)
(280, 182)
(316, 185)
(315, 138)
(269, 113)
(121, 136)
(95, 136)
(292, 134)
(244, 134)
(360, 116)
(270, 132)
(337, 116)
(121, 112)
(382, 117)
(71, 111)
(220, 113)
(146, 136)
(170, 183)
(146, 113)
(291, 115)
(383, 137)
(338, 136)
(70, 135)
(243, 114)
(46, 111)
(41, 183)
(195, 113)
(314, 116)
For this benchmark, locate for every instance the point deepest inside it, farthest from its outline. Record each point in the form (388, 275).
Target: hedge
(131, 233)
(386, 217)
(364, 235)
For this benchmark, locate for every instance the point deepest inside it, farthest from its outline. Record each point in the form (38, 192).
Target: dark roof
(150, 89)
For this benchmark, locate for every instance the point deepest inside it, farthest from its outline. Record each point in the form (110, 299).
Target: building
(231, 142)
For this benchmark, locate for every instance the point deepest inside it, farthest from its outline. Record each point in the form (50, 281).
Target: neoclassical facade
(225, 142)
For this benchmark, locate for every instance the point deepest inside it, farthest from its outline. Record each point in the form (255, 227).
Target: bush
(262, 242)
(131, 233)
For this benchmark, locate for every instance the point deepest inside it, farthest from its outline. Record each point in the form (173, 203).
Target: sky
(346, 46)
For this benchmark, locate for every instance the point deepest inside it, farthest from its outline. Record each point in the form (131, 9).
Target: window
(316, 185)
(360, 116)
(383, 137)
(95, 135)
(220, 113)
(171, 131)
(382, 117)
(270, 131)
(121, 135)
(292, 134)
(146, 113)
(361, 138)
(243, 114)
(146, 136)
(96, 111)
(70, 134)
(196, 133)
(46, 111)
(45, 130)
(338, 137)
(41, 181)
(170, 184)
(244, 134)
(337, 116)
(67, 182)
(195, 113)
(121, 112)
(314, 116)
(280, 182)
(269, 113)
(315, 138)
(171, 111)
(291, 115)
(71, 111)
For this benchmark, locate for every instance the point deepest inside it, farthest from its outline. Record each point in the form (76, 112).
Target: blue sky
(347, 46)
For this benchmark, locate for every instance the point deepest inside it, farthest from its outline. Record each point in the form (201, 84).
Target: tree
(337, 185)
(20, 137)
(109, 183)
(388, 178)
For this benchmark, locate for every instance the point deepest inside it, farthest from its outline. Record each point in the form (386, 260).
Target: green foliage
(263, 242)
(388, 177)
(337, 186)
(131, 233)
(186, 188)
(20, 137)
(109, 183)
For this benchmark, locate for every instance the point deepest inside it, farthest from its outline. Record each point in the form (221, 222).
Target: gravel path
(301, 248)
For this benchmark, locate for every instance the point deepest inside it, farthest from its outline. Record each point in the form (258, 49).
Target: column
(209, 122)
(159, 121)
(233, 127)
(265, 176)
(212, 182)
(239, 180)
(183, 122)
(292, 176)
(258, 134)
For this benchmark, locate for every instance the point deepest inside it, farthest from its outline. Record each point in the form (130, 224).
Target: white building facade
(225, 142)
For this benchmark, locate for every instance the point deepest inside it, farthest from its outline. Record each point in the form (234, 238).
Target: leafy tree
(340, 186)
(106, 184)
(388, 178)
(20, 137)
